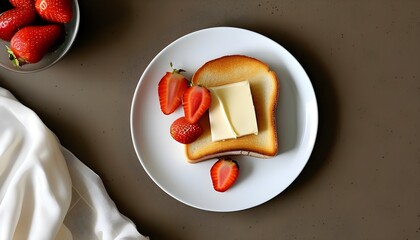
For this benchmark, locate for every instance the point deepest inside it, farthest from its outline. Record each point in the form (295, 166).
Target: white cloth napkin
(45, 191)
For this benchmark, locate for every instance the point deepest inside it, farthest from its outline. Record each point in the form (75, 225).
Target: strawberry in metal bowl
(36, 34)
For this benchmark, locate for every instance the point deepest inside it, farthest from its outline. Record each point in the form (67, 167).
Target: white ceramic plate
(259, 179)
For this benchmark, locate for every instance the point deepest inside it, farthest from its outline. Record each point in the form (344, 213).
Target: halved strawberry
(224, 173)
(170, 90)
(184, 132)
(196, 101)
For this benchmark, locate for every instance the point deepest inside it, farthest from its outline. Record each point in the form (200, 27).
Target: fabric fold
(45, 191)
(106, 221)
(35, 183)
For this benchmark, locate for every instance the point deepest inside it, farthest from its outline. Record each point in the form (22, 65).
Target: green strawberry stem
(13, 58)
(174, 70)
(179, 71)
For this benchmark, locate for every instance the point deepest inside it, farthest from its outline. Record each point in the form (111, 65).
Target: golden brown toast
(264, 89)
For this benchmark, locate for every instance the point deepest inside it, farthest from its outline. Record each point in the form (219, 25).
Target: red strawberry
(185, 132)
(59, 11)
(195, 101)
(170, 90)
(224, 173)
(22, 3)
(14, 19)
(31, 43)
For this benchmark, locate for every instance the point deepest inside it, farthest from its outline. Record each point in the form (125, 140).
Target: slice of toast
(264, 90)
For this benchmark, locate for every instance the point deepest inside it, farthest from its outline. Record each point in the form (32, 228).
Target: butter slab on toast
(264, 89)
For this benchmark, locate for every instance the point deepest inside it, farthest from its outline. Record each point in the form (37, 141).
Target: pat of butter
(231, 111)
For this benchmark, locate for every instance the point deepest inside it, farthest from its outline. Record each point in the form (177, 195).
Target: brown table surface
(362, 180)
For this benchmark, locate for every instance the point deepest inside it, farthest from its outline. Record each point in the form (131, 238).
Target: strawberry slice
(184, 132)
(224, 173)
(195, 102)
(170, 90)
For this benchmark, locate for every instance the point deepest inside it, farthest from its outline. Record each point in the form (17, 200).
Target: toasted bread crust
(264, 88)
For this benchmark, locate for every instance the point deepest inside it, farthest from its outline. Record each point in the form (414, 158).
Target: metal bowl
(50, 58)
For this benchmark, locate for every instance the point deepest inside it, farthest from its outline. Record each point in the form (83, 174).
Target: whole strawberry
(31, 43)
(22, 3)
(184, 132)
(59, 11)
(14, 19)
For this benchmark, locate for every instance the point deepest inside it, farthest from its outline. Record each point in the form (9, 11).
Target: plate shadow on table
(327, 101)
